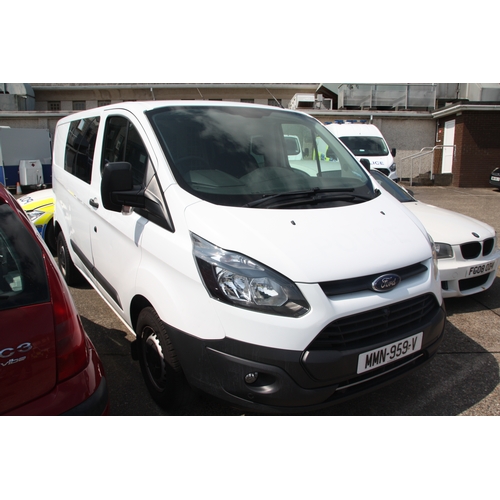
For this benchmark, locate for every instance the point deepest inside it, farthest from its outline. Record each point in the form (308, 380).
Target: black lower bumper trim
(279, 381)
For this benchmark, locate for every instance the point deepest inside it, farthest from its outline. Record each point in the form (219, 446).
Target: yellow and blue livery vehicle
(39, 206)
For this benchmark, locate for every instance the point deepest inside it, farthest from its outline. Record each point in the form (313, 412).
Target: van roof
(351, 129)
(142, 106)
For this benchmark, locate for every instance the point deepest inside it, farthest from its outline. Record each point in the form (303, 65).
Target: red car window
(23, 280)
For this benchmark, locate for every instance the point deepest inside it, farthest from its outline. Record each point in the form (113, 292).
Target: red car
(48, 365)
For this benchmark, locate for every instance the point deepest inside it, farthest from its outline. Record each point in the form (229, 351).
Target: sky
(227, 42)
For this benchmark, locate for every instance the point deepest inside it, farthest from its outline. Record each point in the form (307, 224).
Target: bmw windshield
(240, 156)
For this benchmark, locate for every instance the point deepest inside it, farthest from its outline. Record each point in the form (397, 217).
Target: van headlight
(434, 256)
(236, 279)
(392, 168)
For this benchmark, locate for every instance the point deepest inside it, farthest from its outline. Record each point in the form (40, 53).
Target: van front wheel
(159, 365)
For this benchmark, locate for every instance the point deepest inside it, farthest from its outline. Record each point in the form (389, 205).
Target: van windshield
(366, 146)
(239, 155)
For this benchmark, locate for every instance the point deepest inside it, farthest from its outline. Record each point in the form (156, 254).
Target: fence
(425, 157)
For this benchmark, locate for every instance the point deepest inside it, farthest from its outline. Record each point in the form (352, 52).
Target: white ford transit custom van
(275, 285)
(365, 140)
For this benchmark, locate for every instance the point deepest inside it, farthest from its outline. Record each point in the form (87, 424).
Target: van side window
(122, 142)
(80, 147)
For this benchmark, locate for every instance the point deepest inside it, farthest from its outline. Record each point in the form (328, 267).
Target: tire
(70, 273)
(159, 364)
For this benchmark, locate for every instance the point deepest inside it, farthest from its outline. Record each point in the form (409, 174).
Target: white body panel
(270, 237)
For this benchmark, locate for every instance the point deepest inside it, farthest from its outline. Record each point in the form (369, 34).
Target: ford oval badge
(386, 282)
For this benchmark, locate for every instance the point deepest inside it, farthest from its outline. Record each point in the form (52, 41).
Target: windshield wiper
(314, 195)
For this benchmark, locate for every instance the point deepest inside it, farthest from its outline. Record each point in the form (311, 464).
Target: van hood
(316, 245)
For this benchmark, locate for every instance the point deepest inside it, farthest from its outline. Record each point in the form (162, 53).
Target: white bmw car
(468, 256)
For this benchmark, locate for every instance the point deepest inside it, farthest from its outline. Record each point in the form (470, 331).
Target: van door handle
(93, 203)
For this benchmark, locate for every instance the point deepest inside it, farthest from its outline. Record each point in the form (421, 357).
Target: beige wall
(93, 94)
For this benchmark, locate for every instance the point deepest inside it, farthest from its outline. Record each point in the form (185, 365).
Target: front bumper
(495, 179)
(284, 381)
(467, 277)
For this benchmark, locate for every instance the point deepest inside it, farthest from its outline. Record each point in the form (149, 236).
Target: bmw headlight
(236, 279)
(443, 250)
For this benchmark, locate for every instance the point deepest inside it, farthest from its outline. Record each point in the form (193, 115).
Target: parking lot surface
(462, 379)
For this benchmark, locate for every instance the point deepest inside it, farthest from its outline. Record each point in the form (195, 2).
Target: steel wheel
(159, 364)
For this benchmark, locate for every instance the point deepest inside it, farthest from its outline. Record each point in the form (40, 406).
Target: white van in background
(366, 141)
(275, 284)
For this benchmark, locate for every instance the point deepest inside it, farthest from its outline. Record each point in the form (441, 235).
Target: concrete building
(448, 133)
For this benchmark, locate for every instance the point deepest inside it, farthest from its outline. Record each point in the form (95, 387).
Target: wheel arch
(139, 302)
(57, 227)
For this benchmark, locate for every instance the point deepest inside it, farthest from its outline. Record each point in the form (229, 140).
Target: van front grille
(351, 285)
(378, 325)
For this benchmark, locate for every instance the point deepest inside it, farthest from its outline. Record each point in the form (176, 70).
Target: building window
(274, 102)
(103, 103)
(54, 105)
(251, 101)
(78, 105)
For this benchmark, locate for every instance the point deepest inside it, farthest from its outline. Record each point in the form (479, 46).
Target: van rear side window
(80, 148)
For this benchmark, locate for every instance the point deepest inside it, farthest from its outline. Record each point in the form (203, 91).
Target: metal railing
(398, 96)
(424, 152)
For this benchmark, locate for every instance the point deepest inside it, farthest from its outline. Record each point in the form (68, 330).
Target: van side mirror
(393, 152)
(117, 187)
(366, 163)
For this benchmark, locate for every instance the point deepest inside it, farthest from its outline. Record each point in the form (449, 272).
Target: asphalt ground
(462, 379)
